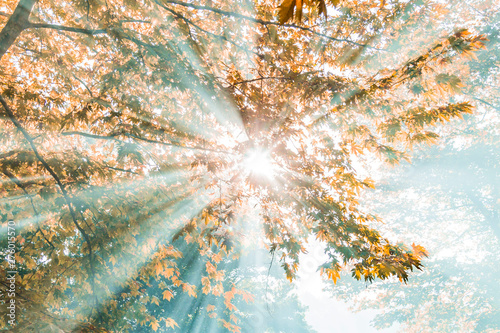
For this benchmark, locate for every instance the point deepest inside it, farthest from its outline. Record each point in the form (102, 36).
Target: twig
(84, 84)
(119, 169)
(261, 79)
(487, 103)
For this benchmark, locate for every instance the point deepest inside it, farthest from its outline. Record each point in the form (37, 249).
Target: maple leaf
(171, 323)
(154, 325)
(167, 294)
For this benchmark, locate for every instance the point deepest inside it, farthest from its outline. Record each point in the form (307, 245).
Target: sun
(258, 162)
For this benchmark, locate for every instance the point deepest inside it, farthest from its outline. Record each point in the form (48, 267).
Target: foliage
(449, 197)
(126, 127)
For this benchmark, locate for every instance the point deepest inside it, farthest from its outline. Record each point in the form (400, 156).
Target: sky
(323, 310)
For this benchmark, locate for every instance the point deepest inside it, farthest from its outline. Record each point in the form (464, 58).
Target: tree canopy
(148, 146)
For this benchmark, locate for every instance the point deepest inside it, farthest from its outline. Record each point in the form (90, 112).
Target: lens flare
(258, 162)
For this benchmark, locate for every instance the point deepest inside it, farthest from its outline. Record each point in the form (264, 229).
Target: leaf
(171, 323)
(167, 294)
(154, 325)
(247, 297)
(419, 250)
(286, 10)
(290, 8)
(155, 300)
(451, 81)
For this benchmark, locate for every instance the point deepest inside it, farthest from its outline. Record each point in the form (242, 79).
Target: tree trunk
(18, 21)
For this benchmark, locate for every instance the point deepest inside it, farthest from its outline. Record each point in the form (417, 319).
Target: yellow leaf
(154, 325)
(170, 323)
(419, 250)
(285, 12)
(158, 268)
(247, 297)
(167, 294)
(168, 272)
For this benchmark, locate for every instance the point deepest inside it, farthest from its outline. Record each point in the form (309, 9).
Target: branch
(491, 216)
(91, 32)
(262, 78)
(113, 136)
(85, 85)
(266, 23)
(28, 301)
(64, 192)
(119, 169)
(16, 181)
(190, 22)
(487, 103)
(93, 136)
(18, 21)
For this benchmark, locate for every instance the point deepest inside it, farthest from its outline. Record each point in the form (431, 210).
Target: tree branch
(266, 23)
(84, 84)
(487, 103)
(91, 32)
(261, 79)
(114, 136)
(491, 216)
(19, 184)
(64, 192)
(190, 22)
(119, 169)
(18, 21)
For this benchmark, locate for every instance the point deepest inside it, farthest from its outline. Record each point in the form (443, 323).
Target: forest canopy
(147, 147)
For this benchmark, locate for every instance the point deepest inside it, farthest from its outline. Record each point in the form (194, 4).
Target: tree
(130, 126)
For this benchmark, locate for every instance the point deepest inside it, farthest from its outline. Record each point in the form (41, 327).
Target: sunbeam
(167, 164)
(258, 162)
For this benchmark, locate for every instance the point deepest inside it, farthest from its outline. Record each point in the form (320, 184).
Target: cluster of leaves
(448, 196)
(124, 131)
(454, 207)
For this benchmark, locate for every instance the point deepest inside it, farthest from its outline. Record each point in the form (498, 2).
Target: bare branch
(84, 84)
(487, 103)
(120, 169)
